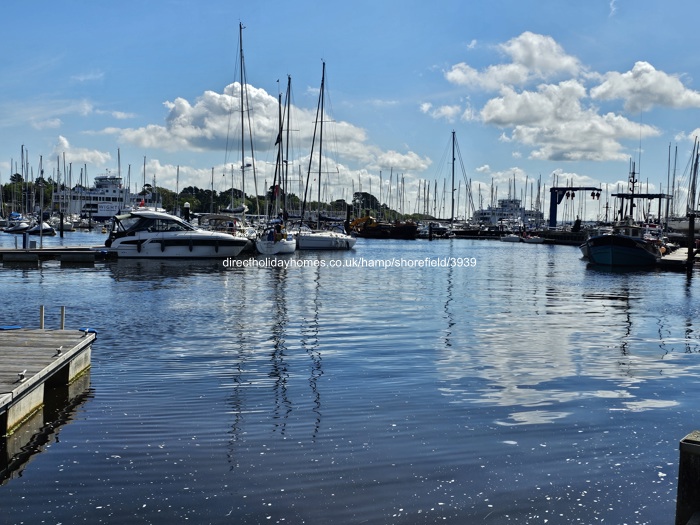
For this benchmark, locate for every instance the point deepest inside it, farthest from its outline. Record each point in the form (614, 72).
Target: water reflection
(150, 269)
(593, 333)
(274, 336)
(278, 368)
(310, 342)
(43, 427)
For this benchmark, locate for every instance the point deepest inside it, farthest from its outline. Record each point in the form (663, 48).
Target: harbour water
(520, 386)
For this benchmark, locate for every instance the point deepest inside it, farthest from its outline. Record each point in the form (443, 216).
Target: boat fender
(162, 246)
(138, 246)
(216, 246)
(191, 245)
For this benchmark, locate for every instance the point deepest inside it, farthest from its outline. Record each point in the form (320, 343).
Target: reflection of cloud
(533, 417)
(649, 404)
(531, 364)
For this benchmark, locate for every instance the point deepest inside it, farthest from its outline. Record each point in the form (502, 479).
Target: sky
(553, 92)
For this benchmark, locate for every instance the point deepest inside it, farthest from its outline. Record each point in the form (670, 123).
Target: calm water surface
(528, 388)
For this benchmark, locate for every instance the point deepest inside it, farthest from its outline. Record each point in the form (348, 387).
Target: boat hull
(510, 238)
(325, 241)
(281, 247)
(183, 247)
(620, 250)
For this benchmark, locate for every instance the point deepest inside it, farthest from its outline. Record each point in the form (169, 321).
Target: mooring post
(691, 242)
(63, 317)
(688, 498)
(41, 317)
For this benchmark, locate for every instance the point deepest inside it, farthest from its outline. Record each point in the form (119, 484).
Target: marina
(321, 390)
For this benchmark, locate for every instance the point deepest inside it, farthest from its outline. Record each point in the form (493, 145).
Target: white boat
(20, 226)
(152, 234)
(55, 223)
(276, 243)
(308, 239)
(511, 237)
(41, 229)
(231, 224)
(320, 239)
(533, 239)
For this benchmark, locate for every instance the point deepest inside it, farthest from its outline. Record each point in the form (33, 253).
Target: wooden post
(688, 498)
(63, 317)
(41, 317)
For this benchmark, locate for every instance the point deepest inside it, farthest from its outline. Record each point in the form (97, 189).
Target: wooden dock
(66, 254)
(32, 362)
(677, 260)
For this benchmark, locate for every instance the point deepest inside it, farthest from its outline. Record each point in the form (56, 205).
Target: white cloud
(553, 121)
(80, 156)
(645, 87)
(52, 123)
(212, 123)
(559, 120)
(533, 57)
(449, 113)
(91, 76)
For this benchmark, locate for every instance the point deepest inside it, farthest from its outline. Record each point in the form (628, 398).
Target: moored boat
(368, 227)
(625, 246)
(276, 241)
(533, 239)
(511, 237)
(151, 234)
(308, 239)
(42, 228)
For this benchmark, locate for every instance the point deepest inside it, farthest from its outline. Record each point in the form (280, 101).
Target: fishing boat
(625, 246)
(152, 234)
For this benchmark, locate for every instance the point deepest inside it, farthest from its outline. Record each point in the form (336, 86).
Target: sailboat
(318, 239)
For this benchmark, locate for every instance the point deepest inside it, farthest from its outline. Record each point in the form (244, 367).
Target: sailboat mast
(452, 212)
(320, 145)
(240, 48)
(288, 106)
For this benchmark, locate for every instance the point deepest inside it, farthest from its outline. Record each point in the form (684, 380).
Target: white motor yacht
(152, 234)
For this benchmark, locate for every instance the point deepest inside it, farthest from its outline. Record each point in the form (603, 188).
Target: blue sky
(533, 90)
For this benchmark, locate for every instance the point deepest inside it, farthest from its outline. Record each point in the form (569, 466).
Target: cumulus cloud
(546, 100)
(212, 123)
(449, 113)
(532, 57)
(80, 156)
(645, 87)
